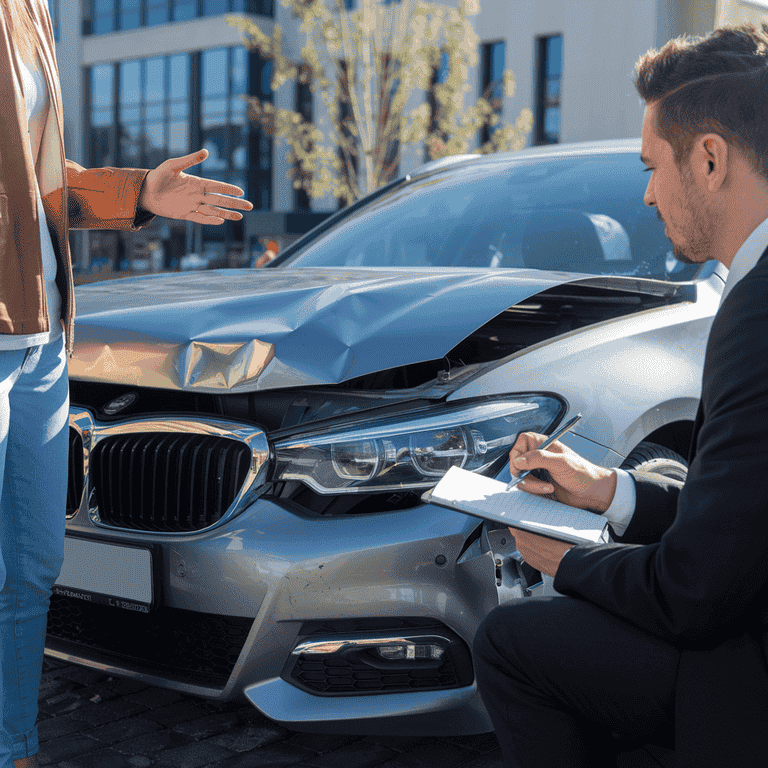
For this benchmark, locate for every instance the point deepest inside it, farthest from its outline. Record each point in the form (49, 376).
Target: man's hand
(540, 552)
(575, 481)
(170, 192)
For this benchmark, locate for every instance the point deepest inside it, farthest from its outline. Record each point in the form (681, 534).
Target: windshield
(574, 214)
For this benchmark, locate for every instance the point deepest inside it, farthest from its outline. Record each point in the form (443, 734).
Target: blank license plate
(109, 574)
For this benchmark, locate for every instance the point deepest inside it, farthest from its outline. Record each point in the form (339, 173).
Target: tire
(651, 457)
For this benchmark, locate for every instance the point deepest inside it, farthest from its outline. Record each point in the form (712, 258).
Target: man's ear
(709, 160)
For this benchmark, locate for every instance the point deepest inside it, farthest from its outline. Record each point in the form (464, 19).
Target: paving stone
(119, 731)
(151, 743)
(432, 752)
(194, 755)
(637, 758)
(50, 686)
(322, 742)
(108, 711)
(62, 704)
(125, 686)
(83, 675)
(271, 756)
(179, 712)
(99, 759)
(155, 697)
(55, 727)
(235, 705)
(361, 754)
(251, 736)
(396, 743)
(488, 760)
(56, 750)
(484, 742)
(139, 761)
(208, 725)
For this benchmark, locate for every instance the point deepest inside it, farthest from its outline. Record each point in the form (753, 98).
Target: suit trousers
(559, 677)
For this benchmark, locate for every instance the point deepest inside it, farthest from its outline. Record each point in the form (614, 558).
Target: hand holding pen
(556, 435)
(573, 480)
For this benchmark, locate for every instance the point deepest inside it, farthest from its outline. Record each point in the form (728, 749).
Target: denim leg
(32, 504)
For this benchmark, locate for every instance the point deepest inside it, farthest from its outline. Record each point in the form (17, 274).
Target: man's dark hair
(715, 84)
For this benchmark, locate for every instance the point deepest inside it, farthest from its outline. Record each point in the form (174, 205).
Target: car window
(575, 214)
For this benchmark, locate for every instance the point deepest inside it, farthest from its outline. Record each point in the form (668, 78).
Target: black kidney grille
(76, 478)
(167, 481)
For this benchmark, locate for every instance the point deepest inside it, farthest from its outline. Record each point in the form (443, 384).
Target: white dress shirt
(622, 507)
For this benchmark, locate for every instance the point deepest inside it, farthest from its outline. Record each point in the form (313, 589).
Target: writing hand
(170, 192)
(574, 480)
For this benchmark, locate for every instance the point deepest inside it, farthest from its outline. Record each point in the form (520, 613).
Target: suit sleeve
(703, 579)
(655, 508)
(105, 198)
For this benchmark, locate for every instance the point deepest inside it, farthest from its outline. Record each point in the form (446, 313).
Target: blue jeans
(34, 410)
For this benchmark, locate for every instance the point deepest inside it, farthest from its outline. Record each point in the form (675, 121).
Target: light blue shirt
(622, 507)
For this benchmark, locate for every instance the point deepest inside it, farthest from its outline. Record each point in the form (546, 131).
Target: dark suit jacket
(693, 565)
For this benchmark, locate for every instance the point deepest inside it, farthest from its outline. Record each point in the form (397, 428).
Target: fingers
(223, 201)
(180, 163)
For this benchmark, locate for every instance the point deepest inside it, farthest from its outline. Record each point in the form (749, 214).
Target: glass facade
(494, 60)
(548, 81)
(54, 8)
(302, 105)
(143, 111)
(100, 16)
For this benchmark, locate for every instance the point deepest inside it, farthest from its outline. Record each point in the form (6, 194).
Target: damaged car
(249, 448)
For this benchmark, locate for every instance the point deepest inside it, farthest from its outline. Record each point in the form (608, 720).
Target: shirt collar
(746, 257)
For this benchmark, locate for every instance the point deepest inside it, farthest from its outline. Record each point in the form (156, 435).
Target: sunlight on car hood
(246, 330)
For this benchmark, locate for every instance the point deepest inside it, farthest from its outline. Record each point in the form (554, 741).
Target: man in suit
(662, 635)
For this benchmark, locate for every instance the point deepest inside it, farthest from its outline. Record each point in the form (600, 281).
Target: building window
(128, 14)
(100, 95)
(435, 143)
(157, 12)
(100, 16)
(550, 72)
(494, 57)
(54, 8)
(301, 201)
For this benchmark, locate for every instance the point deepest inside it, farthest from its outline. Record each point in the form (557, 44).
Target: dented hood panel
(246, 330)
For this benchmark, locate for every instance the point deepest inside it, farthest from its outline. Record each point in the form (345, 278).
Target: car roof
(549, 152)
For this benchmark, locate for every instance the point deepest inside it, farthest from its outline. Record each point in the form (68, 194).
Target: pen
(551, 439)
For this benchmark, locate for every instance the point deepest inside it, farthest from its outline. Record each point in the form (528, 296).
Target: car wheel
(651, 457)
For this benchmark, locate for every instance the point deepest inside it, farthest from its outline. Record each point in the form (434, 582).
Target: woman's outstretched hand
(170, 192)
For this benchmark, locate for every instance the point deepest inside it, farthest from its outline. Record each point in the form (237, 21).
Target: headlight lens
(413, 450)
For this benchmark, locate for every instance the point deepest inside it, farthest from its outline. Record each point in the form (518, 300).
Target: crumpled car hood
(247, 330)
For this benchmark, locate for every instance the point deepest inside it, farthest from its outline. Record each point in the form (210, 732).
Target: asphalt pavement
(89, 719)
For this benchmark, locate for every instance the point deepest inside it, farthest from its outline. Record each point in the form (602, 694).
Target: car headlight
(413, 450)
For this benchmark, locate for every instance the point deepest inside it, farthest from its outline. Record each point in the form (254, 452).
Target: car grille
(76, 474)
(171, 475)
(166, 482)
(334, 675)
(172, 643)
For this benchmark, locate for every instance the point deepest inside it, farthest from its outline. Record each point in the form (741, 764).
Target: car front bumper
(275, 573)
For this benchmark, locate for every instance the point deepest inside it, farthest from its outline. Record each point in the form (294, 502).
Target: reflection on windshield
(566, 214)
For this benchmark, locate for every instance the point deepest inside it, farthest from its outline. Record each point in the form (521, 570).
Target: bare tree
(387, 75)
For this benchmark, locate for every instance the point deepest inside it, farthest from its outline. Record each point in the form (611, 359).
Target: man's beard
(701, 230)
